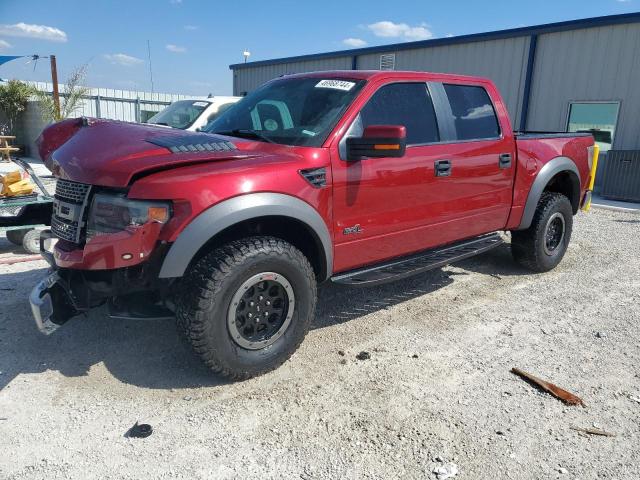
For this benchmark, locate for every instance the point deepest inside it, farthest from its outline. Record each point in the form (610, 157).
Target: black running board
(132, 310)
(417, 263)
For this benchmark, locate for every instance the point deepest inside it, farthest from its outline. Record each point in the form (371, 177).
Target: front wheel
(31, 241)
(246, 307)
(542, 246)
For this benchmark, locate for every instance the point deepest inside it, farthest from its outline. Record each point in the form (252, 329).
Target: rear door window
(407, 104)
(473, 113)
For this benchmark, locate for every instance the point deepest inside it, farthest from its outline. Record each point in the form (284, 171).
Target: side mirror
(378, 141)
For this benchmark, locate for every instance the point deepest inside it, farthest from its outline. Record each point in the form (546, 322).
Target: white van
(192, 114)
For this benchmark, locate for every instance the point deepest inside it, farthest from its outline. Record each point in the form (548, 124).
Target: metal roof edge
(567, 25)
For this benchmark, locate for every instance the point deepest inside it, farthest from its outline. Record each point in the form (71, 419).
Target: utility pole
(54, 80)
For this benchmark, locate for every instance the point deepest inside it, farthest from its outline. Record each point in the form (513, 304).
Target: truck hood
(113, 153)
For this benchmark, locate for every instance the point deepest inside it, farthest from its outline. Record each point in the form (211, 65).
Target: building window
(597, 118)
(388, 61)
(473, 113)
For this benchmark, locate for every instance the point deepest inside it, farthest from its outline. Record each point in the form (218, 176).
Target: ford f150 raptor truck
(353, 177)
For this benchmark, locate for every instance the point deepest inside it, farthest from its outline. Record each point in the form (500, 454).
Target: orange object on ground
(566, 397)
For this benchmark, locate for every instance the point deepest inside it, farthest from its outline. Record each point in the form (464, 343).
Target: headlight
(114, 213)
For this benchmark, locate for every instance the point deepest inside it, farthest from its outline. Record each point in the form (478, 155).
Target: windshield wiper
(246, 133)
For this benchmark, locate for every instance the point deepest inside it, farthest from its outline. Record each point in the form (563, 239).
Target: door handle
(504, 160)
(442, 168)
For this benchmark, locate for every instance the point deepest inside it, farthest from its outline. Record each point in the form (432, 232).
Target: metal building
(580, 75)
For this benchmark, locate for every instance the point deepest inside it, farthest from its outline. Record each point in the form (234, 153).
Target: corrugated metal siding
(621, 179)
(116, 104)
(248, 79)
(588, 65)
(503, 61)
(99, 102)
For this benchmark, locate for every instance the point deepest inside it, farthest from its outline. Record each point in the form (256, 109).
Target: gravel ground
(436, 389)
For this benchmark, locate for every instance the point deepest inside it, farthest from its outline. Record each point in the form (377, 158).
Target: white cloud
(354, 42)
(4, 45)
(191, 28)
(623, 1)
(122, 59)
(175, 2)
(175, 48)
(389, 29)
(43, 32)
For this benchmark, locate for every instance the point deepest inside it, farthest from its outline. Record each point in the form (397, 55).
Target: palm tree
(70, 97)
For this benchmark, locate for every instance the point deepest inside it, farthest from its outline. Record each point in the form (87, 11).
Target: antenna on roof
(150, 70)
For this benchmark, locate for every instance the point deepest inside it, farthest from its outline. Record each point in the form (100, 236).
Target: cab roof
(385, 75)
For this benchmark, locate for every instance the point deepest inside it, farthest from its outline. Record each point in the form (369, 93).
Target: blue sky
(194, 41)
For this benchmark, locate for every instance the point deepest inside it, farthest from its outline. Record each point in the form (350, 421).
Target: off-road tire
(528, 246)
(31, 241)
(16, 236)
(208, 288)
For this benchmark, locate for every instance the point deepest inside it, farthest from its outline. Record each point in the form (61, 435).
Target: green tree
(70, 97)
(14, 96)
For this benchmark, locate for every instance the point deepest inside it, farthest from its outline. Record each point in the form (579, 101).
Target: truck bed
(532, 134)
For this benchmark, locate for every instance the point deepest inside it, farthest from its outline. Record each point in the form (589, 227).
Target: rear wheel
(542, 246)
(247, 306)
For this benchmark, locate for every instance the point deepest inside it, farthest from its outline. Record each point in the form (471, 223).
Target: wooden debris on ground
(593, 431)
(561, 394)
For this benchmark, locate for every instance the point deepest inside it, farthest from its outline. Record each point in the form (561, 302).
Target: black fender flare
(544, 176)
(233, 211)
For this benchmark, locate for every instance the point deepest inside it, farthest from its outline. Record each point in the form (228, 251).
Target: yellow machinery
(13, 185)
(586, 206)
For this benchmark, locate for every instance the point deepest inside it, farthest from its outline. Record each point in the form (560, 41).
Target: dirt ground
(437, 388)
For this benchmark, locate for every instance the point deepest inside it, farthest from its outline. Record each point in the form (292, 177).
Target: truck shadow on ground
(152, 355)
(497, 263)
(338, 304)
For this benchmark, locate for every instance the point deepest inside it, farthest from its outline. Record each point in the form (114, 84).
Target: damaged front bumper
(65, 293)
(51, 303)
(42, 304)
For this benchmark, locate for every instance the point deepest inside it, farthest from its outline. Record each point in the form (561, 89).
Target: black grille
(67, 221)
(72, 191)
(64, 230)
(315, 176)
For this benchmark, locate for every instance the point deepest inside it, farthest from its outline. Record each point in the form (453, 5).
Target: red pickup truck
(350, 176)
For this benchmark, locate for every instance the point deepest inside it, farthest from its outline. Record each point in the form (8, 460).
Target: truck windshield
(180, 114)
(290, 111)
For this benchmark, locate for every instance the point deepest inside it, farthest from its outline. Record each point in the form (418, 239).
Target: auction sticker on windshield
(336, 84)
